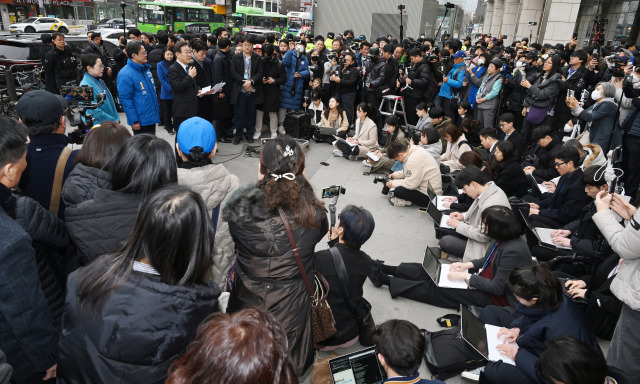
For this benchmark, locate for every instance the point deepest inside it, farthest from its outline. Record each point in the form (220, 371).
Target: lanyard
(490, 256)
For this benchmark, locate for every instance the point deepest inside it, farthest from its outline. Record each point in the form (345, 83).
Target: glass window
(260, 4)
(274, 7)
(267, 7)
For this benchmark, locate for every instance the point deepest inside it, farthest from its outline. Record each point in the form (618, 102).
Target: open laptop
(482, 337)
(361, 367)
(438, 218)
(438, 272)
(543, 234)
(438, 199)
(329, 131)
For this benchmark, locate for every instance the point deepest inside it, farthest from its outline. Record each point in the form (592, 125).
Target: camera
(384, 180)
(449, 5)
(313, 68)
(331, 56)
(334, 192)
(81, 100)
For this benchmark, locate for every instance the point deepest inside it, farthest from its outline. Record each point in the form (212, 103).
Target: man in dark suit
(246, 72)
(488, 140)
(509, 133)
(183, 85)
(203, 78)
(222, 73)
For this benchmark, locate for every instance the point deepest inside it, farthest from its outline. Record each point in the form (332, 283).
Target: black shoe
(171, 132)
(161, 124)
(376, 273)
(236, 141)
(224, 140)
(249, 140)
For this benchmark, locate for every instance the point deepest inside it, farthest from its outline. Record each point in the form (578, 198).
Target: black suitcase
(298, 125)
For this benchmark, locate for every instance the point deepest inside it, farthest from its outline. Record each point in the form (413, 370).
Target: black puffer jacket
(103, 224)
(82, 183)
(267, 276)
(49, 240)
(420, 75)
(143, 326)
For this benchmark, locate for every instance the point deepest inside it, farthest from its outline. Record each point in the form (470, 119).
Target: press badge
(246, 76)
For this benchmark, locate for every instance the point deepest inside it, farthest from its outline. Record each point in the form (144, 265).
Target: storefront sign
(46, 2)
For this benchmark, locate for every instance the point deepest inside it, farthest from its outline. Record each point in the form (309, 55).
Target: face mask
(568, 128)
(300, 49)
(481, 62)
(475, 61)
(635, 78)
(519, 64)
(595, 95)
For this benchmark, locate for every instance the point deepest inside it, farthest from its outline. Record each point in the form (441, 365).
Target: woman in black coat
(415, 84)
(267, 275)
(130, 314)
(353, 229)
(490, 274)
(507, 172)
(274, 75)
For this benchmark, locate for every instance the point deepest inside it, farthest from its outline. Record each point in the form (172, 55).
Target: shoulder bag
(360, 311)
(323, 325)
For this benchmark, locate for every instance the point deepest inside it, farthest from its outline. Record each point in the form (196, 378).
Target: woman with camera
(384, 163)
(600, 117)
(267, 275)
(487, 277)
(93, 69)
(415, 83)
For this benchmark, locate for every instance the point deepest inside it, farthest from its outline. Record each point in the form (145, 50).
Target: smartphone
(571, 93)
(575, 35)
(423, 210)
(323, 163)
(614, 182)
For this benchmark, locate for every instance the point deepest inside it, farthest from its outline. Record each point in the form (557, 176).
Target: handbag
(323, 325)
(222, 109)
(537, 115)
(361, 312)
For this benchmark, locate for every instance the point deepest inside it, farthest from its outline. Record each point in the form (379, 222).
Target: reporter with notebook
(486, 276)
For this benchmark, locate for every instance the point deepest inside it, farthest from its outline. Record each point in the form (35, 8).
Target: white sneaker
(472, 375)
(366, 163)
(274, 135)
(257, 135)
(337, 153)
(281, 130)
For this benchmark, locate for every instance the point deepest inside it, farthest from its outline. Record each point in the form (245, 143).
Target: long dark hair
(281, 156)
(394, 122)
(101, 144)
(508, 151)
(556, 65)
(173, 233)
(338, 108)
(538, 282)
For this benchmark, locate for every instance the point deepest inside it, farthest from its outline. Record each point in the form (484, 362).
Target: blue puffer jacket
(107, 111)
(294, 64)
(137, 93)
(165, 87)
(454, 85)
(473, 90)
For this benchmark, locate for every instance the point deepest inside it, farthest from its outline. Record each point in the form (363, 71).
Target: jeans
(244, 117)
(348, 104)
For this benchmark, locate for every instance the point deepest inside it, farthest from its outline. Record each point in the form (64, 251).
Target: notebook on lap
(438, 272)
(360, 367)
(482, 337)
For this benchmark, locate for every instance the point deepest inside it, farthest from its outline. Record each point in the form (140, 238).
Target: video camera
(384, 180)
(616, 64)
(80, 99)
(334, 192)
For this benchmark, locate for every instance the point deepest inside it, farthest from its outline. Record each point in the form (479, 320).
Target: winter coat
(215, 184)
(165, 86)
(349, 79)
(237, 75)
(275, 69)
(92, 48)
(103, 224)
(83, 182)
(625, 241)
(342, 121)
(420, 75)
(545, 165)
(419, 170)
(511, 178)
(107, 111)
(434, 150)
(595, 156)
(517, 140)
(601, 119)
(478, 73)
(222, 72)
(267, 276)
(586, 238)
(489, 88)
(455, 76)
(203, 79)
(294, 63)
(439, 128)
(451, 156)
(565, 204)
(543, 93)
(581, 79)
(27, 335)
(63, 65)
(119, 57)
(154, 58)
(374, 75)
(142, 327)
(367, 136)
(517, 92)
(472, 227)
(137, 94)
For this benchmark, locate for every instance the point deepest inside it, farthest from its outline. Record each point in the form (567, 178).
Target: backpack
(448, 355)
(484, 154)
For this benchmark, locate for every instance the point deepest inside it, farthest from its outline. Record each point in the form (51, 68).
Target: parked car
(112, 23)
(40, 24)
(110, 34)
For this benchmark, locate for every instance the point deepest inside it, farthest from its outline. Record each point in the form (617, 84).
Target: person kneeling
(419, 170)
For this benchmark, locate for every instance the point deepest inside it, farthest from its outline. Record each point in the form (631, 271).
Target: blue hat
(196, 132)
(459, 54)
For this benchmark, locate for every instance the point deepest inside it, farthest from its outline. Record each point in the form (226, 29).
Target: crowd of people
(141, 261)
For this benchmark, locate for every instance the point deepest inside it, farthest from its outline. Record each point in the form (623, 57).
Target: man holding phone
(576, 79)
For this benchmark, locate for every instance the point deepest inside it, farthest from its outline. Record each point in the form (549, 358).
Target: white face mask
(519, 64)
(481, 62)
(300, 49)
(568, 128)
(595, 95)
(635, 78)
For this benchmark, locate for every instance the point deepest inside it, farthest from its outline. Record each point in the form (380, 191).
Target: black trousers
(150, 129)
(349, 105)
(411, 281)
(450, 107)
(631, 164)
(416, 197)
(410, 104)
(166, 112)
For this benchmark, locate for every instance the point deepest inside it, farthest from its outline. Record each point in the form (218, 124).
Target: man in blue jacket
(297, 67)
(452, 85)
(138, 91)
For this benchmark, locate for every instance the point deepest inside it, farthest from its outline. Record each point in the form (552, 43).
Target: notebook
(438, 272)
(360, 367)
(482, 337)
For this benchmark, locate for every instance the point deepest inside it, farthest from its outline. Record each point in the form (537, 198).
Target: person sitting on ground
(419, 170)
(430, 141)
(488, 140)
(315, 109)
(424, 121)
(90, 173)
(103, 224)
(469, 241)
(400, 346)
(130, 314)
(542, 314)
(457, 144)
(462, 202)
(365, 137)
(353, 228)
(439, 122)
(567, 360)
(542, 167)
(488, 282)
(196, 145)
(567, 201)
(249, 346)
(384, 164)
(590, 155)
(509, 133)
(468, 125)
(506, 170)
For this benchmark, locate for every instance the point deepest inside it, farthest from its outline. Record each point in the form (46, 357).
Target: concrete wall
(339, 15)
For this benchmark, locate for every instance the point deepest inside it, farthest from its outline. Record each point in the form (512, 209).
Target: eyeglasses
(144, 52)
(559, 164)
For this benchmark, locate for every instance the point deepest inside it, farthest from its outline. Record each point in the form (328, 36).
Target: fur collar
(246, 205)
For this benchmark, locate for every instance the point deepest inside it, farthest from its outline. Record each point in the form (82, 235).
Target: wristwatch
(468, 281)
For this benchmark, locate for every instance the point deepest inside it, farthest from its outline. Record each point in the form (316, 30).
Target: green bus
(154, 16)
(257, 17)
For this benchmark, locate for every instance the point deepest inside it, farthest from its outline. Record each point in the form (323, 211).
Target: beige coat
(214, 183)
(451, 157)
(472, 228)
(419, 169)
(343, 122)
(367, 136)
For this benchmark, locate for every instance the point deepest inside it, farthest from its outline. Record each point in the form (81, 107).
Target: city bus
(174, 16)
(298, 22)
(257, 17)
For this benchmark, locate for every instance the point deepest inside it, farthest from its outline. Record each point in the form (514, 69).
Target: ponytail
(537, 282)
(197, 156)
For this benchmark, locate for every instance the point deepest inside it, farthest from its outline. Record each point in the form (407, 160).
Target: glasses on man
(559, 164)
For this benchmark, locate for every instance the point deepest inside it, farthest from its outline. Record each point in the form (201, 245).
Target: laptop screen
(361, 367)
(432, 210)
(430, 192)
(431, 264)
(473, 331)
(528, 223)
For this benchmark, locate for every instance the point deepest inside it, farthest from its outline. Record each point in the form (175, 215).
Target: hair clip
(287, 151)
(288, 176)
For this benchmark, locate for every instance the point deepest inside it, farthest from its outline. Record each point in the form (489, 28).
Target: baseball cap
(459, 54)
(257, 46)
(40, 108)
(196, 132)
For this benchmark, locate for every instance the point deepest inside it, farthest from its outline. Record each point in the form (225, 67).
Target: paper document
(543, 188)
(205, 89)
(373, 156)
(218, 87)
(493, 341)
